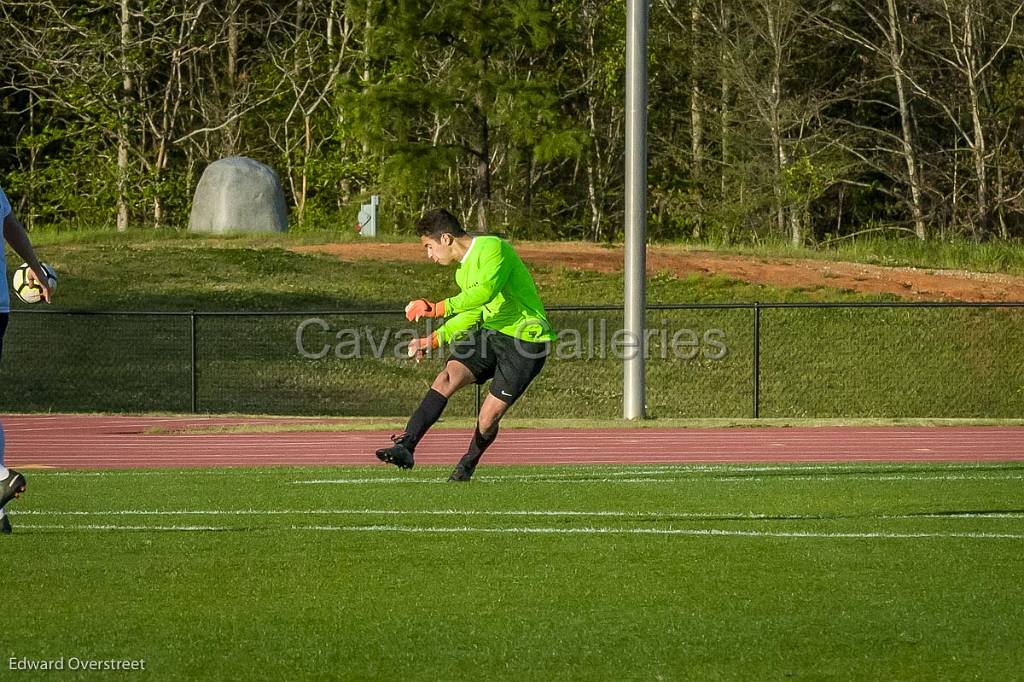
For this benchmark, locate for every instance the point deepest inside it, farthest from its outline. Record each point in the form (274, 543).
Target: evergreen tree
(460, 89)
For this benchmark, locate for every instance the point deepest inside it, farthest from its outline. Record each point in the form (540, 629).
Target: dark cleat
(11, 487)
(465, 468)
(5, 525)
(461, 473)
(399, 454)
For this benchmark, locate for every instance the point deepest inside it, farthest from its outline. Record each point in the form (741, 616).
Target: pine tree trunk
(696, 122)
(909, 153)
(330, 23)
(596, 214)
(528, 191)
(980, 167)
(1004, 229)
(122, 130)
(483, 173)
(775, 123)
(779, 165)
(231, 130)
(978, 147)
(723, 106)
(367, 37)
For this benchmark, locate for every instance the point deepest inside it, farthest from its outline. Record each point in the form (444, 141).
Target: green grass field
(903, 251)
(597, 572)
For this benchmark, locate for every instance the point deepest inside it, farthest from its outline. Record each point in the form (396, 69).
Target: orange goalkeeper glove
(419, 347)
(421, 307)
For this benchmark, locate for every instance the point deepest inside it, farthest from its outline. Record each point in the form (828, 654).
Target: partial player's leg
(452, 378)
(12, 484)
(491, 412)
(518, 363)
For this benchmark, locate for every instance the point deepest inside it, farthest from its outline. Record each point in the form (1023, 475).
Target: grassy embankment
(840, 363)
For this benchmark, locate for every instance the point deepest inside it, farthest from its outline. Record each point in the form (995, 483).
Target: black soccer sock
(424, 417)
(477, 447)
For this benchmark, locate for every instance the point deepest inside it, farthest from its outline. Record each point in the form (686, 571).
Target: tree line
(802, 120)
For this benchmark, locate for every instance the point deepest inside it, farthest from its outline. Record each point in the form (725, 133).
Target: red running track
(106, 442)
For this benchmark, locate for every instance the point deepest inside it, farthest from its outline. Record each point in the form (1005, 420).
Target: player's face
(439, 250)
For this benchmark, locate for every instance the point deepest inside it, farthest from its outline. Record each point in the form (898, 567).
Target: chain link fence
(715, 360)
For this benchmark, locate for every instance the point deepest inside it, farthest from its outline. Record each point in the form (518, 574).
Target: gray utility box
(367, 223)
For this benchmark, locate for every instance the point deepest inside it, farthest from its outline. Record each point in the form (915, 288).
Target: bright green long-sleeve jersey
(498, 292)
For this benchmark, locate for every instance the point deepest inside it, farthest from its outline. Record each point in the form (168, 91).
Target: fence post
(195, 378)
(479, 389)
(757, 360)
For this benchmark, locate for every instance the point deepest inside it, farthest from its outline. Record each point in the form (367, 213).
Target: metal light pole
(636, 208)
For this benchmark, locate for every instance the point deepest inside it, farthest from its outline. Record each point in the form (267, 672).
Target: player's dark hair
(438, 221)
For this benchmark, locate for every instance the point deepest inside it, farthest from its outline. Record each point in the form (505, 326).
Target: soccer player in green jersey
(497, 329)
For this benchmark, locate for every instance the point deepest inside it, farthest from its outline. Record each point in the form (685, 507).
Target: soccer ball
(31, 293)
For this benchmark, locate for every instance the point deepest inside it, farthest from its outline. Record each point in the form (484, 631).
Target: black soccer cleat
(399, 454)
(5, 525)
(461, 473)
(465, 468)
(11, 487)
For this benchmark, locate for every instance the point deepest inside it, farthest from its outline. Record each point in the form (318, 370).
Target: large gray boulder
(238, 194)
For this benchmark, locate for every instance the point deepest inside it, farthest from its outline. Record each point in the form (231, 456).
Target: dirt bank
(909, 283)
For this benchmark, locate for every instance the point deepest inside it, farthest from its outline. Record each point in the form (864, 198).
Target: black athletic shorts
(3, 328)
(511, 362)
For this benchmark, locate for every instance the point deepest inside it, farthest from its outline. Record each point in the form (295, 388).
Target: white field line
(645, 478)
(582, 470)
(961, 515)
(883, 477)
(809, 466)
(368, 512)
(852, 470)
(679, 532)
(740, 516)
(33, 473)
(686, 532)
(45, 526)
(653, 469)
(583, 478)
